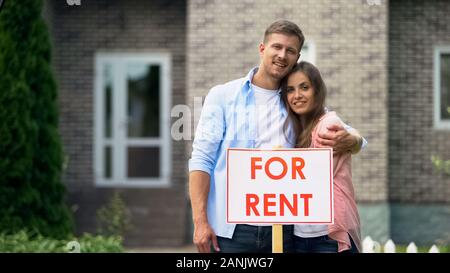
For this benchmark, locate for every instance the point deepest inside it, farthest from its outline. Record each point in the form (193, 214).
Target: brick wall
(351, 45)
(415, 27)
(158, 215)
(353, 42)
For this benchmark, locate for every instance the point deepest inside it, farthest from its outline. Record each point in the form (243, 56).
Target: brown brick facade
(416, 27)
(159, 215)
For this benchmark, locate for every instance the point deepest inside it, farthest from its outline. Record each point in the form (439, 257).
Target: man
(246, 113)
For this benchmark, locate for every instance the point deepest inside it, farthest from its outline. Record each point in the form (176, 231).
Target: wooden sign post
(277, 238)
(277, 233)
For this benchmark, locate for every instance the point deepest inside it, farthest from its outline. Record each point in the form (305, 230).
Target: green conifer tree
(31, 157)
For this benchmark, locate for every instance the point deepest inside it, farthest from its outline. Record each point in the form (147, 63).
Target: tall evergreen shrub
(31, 192)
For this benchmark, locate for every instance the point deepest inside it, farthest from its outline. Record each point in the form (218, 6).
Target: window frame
(119, 140)
(439, 124)
(310, 55)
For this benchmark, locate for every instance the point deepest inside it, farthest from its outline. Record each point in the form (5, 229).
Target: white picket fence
(371, 246)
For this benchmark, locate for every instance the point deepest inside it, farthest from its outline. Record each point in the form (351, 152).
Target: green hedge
(23, 242)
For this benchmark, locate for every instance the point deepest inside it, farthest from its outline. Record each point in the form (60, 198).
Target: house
(122, 66)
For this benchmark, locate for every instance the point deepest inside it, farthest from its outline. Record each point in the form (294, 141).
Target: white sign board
(282, 186)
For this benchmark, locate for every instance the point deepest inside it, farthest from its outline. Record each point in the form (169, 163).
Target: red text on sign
(271, 201)
(297, 164)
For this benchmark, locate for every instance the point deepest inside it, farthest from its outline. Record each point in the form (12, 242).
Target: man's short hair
(285, 27)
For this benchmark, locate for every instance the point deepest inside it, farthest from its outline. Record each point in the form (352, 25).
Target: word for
(296, 166)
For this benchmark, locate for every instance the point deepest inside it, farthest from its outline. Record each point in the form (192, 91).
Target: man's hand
(203, 236)
(339, 139)
(198, 192)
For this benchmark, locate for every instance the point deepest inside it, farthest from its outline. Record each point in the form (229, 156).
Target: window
(308, 52)
(442, 87)
(132, 126)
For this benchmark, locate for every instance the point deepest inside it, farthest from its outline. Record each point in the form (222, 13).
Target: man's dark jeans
(255, 239)
(321, 244)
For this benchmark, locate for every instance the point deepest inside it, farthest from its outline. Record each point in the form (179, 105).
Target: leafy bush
(97, 243)
(114, 218)
(444, 249)
(440, 165)
(24, 242)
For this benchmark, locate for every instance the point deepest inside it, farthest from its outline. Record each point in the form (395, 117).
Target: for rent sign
(282, 186)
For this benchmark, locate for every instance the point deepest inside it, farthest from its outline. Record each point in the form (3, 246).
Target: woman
(304, 92)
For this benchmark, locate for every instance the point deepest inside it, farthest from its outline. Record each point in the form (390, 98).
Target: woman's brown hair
(303, 130)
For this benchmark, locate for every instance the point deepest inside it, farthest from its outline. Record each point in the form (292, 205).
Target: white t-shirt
(270, 120)
(309, 231)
